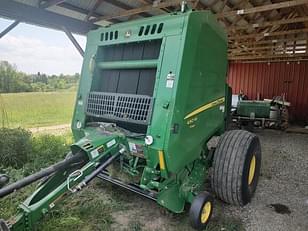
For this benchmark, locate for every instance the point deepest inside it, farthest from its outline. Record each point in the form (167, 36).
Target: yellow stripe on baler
(161, 160)
(205, 107)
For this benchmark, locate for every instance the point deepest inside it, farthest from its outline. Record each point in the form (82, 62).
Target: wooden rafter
(266, 56)
(279, 59)
(269, 23)
(49, 3)
(271, 41)
(254, 30)
(139, 10)
(269, 34)
(287, 53)
(238, 17)
(93, 9)
(268, 7)
(146, 2)
(273, 48)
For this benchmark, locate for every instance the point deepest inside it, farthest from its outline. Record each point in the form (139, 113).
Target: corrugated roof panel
(107, 8)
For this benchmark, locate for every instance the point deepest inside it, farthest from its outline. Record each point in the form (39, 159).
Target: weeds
(85, 211)
(15, 146)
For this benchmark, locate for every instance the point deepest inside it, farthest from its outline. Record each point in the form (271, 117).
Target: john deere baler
(152, 94)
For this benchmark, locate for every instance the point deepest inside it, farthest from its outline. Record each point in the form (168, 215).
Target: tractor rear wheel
(201, 210)
(236, 167)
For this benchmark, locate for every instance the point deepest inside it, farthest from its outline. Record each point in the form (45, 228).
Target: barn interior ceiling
(258, 30)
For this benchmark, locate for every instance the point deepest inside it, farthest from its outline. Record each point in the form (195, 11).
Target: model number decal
(111, 143)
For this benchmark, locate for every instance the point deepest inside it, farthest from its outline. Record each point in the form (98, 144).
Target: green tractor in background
(152, 94)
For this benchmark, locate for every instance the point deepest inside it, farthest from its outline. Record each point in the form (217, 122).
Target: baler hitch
(71, 174)
(62, 165)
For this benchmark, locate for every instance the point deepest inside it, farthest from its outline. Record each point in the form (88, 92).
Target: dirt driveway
(54, 129)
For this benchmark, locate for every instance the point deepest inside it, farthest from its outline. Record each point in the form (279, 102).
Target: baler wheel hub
(206, 211)
(252, 169)
(201, 210)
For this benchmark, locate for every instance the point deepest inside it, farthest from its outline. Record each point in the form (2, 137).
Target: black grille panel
(130, 51)
(121, 107)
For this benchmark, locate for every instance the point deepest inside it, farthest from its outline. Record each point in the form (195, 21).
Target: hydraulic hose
(98, 170)
(62, 165)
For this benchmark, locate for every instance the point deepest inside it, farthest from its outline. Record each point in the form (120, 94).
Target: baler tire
(201, 210)
(3, 226)
(236, 167)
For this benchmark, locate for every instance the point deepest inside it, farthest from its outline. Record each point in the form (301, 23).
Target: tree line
(12, 80)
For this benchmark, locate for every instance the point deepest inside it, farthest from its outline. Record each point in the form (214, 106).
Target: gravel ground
(283, 185)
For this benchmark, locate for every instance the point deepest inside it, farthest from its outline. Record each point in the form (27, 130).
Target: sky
(36, 49)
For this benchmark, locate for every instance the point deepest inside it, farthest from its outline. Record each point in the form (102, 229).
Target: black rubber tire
(196, 208)
(3, 226)
(284, 118)
(231, 164)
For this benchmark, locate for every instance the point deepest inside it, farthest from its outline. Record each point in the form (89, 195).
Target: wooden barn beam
(145, 2)
(93, 9)
(273, 48)
(266, 56)
(273, 60)
(268, 52)
(271, 41)
(139, 10)
(237, 17)
(50, 3)
(258, 9)
(82, 11)
(269, 23)
(269, 34)
(120, 5)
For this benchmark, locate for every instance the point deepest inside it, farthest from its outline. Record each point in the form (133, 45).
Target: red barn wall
(271, 80)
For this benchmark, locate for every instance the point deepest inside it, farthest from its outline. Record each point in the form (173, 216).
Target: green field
(36, 109)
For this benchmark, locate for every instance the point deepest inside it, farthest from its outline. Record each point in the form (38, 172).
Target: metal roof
(257, 29)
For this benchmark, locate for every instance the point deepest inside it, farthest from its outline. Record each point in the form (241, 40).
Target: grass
(86, 211)
(100, 206)
(36, 109)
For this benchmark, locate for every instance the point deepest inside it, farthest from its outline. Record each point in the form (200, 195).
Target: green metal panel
(200, 81)
(260, 109)
(128, 64)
